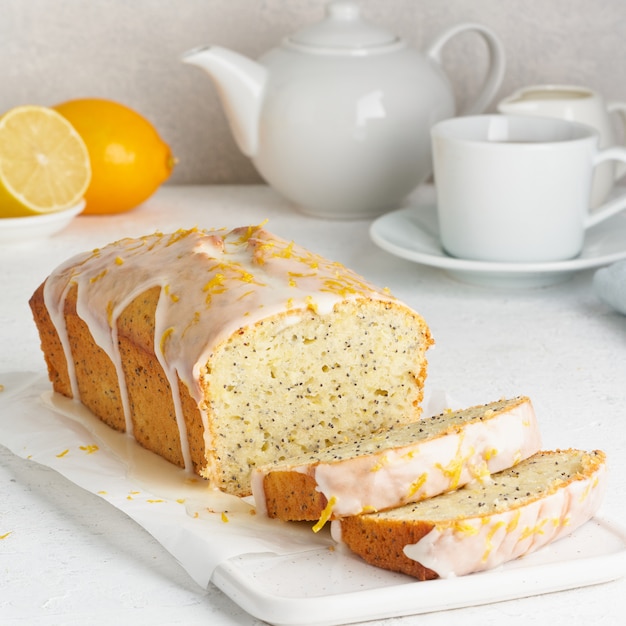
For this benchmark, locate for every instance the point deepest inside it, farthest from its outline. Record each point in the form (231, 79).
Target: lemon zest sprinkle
(381, 463)
(454, 469)
(250, 231)
(166, 335)
(464, 528)
(534, 530)
(194, 320)
(490, 454)
(311, 305)
(97, 277)
(416, 485)
(110, 307)
(246, 294)
(286, 252)
(326, 514)
(489, 539)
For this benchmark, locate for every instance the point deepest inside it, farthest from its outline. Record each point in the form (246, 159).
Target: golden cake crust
(381, 543)
(292, 496)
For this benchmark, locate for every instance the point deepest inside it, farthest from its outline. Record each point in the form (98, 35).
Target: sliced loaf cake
(222, 350)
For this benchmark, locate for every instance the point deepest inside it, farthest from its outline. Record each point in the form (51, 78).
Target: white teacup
(517, 188)
(577, 104)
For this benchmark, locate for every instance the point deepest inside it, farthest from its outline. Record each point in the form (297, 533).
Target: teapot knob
(342, 31)
(348, 11)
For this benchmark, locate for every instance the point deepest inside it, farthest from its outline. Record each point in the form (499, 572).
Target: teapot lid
(342, 30)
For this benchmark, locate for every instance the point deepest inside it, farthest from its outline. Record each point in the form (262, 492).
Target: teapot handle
(495, 73)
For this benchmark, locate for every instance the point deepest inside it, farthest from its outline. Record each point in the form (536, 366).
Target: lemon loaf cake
(401, 465)
(482, 525)
(222, 350)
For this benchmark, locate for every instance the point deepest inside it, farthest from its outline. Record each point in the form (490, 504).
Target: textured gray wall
(129, 50)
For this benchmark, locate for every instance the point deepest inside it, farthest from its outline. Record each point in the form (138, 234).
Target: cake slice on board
(399, 465)
(482, 525)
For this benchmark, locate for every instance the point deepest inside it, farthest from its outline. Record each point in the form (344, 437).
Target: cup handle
(495, 72)
(620, 109)
(614, 206)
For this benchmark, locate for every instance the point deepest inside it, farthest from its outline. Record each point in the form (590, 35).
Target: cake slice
(400, 465)
(485, 524)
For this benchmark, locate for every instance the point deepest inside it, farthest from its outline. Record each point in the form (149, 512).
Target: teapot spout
(240, 84)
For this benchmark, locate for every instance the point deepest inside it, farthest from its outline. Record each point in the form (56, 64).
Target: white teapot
(337, 118)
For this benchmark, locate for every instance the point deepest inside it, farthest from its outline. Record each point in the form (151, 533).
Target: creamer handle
(620, 109)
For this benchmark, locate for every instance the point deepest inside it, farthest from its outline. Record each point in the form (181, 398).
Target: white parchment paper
(199, 534)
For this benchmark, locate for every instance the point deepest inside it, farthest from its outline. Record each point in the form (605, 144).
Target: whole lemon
(129, 160)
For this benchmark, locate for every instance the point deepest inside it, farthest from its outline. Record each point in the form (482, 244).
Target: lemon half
(44, 163)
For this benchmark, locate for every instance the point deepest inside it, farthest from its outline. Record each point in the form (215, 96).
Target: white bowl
(24, 229)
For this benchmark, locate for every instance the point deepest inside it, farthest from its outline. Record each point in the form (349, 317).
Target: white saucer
(413, 233)
(33, 227)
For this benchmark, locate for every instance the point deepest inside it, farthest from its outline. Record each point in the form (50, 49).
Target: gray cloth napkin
(610, 285)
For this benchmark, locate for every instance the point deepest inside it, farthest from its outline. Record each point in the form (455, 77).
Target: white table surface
(68, 557)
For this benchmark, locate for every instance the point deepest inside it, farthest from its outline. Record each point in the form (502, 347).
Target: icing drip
(55, 309)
